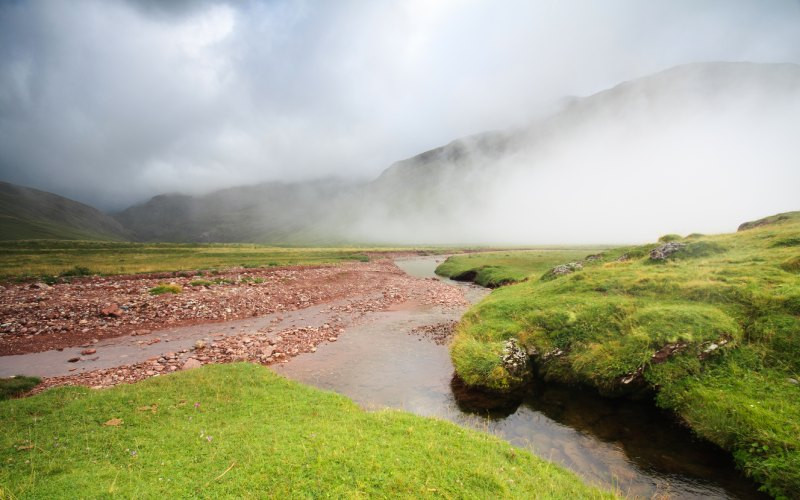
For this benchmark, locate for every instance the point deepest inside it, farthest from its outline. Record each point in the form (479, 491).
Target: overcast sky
(111, 102)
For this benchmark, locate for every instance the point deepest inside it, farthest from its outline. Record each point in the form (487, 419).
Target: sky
(111, 102)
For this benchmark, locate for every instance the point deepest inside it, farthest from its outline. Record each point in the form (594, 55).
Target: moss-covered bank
(711, 324)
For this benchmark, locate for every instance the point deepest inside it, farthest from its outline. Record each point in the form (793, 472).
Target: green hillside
(713, 330)
(27, 213)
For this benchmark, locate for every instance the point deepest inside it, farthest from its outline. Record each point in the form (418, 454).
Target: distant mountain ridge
(27, 213)
(469, 190)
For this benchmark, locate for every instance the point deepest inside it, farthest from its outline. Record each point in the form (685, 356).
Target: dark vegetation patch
(14, 386)
(787, 242)
(792, 264)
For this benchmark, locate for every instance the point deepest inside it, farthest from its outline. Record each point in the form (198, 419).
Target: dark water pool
(629, 446)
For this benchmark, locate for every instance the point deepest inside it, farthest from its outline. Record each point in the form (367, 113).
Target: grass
(42, 258)
(723, 314)
(241, 431)
(14, 386)
(493, 269)
(166, 288)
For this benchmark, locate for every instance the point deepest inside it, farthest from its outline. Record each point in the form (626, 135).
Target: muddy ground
(277, 312)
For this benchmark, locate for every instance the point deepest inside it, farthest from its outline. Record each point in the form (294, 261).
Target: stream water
(629, 446)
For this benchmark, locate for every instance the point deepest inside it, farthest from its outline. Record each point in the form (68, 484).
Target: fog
(112, 102)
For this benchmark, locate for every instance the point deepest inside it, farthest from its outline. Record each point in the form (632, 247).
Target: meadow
(239, 431)
(38, 258)
(712, 332)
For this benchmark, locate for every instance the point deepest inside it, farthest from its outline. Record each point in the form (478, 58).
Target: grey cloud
(111, 102)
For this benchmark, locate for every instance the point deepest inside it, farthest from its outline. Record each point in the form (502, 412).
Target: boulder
(190, 364)
(562, 270)
(515, 359)
(664, 251)
(111, 310)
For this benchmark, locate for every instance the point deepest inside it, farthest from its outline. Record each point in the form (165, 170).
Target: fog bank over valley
(289, 121)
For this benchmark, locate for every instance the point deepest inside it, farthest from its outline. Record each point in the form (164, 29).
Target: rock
(87, 352)
(664, 251)
(111, 310)
(73, 360)
(562, 270)
(199, 345)
(331, 339)
(190, 364)
(515, 359)
(40, 286)
(792, 381)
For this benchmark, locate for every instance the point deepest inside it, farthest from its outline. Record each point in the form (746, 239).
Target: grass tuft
(166, 288)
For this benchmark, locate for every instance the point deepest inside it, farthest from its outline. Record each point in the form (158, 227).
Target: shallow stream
(628, 446)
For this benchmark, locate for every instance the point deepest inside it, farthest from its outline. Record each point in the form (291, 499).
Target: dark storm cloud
(111, 102)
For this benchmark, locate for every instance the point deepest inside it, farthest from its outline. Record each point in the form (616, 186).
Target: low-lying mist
(699, 148)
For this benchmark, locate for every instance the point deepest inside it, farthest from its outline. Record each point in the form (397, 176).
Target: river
(627, 446)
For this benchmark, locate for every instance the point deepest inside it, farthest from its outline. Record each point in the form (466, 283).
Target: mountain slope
(612, 166)
(27, 213)
(278, 213)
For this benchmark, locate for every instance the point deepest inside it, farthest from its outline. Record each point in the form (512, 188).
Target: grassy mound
(713, 328)
(242, 431)
(494, 269)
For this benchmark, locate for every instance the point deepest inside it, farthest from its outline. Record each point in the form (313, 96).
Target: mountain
(609, 167)
(27, 213)
(275, 212)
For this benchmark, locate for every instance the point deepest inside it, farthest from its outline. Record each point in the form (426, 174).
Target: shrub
(699, 249)
(77, 271)
(670, 237)
(204, 283)
(166, 288)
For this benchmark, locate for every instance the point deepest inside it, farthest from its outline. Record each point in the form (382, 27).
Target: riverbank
(494, 269)
(709, 323)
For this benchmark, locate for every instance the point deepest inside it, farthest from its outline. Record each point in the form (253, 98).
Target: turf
(493, 269)
(32, 258)
(723, 313)
(241, 431)
(15, 386)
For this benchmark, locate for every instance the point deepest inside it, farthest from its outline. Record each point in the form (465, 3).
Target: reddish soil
(37, 317)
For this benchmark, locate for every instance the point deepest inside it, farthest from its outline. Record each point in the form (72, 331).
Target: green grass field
(493, 269)
(19, 259)
(732, 300)
(240, 431)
